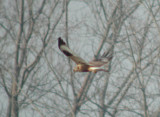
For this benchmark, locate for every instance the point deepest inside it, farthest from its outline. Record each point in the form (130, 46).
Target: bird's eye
(78, 67)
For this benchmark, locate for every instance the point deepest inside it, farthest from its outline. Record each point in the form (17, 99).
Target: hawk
(94, 66)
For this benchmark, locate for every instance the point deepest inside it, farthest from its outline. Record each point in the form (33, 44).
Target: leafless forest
(37, 80)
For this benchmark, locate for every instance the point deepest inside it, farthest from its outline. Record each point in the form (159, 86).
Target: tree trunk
(9, 107)
(14, 107)
(14, 100)
(13, 110)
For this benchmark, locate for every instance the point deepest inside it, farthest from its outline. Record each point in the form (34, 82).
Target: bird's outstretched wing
(103, 60)
(69, 53)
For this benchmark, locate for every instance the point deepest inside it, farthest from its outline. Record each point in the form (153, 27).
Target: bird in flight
(94, 66)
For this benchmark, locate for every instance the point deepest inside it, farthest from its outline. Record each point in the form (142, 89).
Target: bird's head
(78, 68)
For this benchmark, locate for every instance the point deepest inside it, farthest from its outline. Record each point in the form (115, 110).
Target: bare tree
(120, 29)
(27, 28)
(134, 43)
(38, 78)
